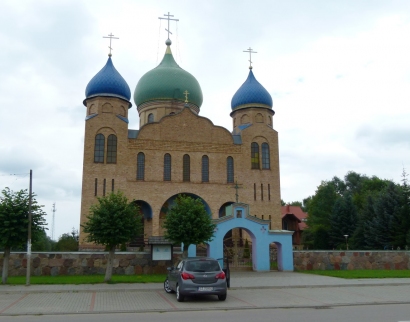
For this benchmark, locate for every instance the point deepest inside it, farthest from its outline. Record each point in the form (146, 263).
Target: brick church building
(176, 150)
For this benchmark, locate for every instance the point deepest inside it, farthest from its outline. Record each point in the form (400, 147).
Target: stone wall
(343, 260)
(127, 263)
(85, 263)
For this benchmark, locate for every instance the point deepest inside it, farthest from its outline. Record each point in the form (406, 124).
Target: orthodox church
(176, 150)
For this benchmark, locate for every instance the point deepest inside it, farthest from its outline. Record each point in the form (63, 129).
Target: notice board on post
(161, 249)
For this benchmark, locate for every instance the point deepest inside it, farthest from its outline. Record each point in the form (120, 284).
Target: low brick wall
(343, 260)
(85, 263)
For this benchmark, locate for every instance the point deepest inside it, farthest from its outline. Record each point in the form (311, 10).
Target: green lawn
(86, 279)
(363, 273)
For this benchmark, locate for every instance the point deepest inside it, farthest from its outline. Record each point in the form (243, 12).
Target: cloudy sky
(338, 73)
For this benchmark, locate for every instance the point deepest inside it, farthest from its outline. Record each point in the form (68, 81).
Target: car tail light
(187, 276)
(220, 276)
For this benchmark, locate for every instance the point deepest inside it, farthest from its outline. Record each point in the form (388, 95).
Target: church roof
(166, 82)
(108, 82)
(251, 94)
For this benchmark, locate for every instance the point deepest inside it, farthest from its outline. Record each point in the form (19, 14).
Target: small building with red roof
(294, 219)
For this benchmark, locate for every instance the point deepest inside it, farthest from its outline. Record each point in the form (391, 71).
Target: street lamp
(347, 246)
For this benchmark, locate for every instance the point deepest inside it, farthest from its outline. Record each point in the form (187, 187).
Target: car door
(174, 274)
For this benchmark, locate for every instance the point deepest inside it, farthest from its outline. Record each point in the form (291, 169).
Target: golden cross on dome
(186, 93)
(111, 36)
(168, 17)
(249, 50)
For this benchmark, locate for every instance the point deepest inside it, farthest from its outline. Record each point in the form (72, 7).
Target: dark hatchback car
(196, 276)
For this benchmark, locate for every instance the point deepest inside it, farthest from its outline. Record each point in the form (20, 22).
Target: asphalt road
(361, 313)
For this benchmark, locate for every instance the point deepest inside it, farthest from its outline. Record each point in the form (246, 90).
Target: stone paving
(249, 290)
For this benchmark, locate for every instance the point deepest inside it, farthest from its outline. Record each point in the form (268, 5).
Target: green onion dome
(168, 81)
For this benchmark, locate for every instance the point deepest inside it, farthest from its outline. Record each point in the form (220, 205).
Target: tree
(343, 220)
(112, 221)
(188, 222)
(43, 243)
(68, 242)
(14, 219)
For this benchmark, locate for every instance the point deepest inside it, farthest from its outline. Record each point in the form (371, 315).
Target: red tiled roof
(297, 212)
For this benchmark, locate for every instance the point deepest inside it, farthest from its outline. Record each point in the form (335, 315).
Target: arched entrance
(261, 237)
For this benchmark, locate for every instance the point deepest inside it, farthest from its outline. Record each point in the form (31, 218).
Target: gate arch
(261, 237)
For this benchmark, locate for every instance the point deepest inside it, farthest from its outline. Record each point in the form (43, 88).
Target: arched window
(167, 167)
(140, 166)
(99, 148)
(186, 175)
(265, 156)
(255, 155)
(229, 170)
(112, 149)
(150, 118)
(205, 168)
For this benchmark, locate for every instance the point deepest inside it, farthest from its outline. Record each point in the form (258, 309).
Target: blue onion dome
(251, 94)
(108, 82)
(168, 81)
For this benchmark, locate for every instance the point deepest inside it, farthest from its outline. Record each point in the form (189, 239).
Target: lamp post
(347, 246)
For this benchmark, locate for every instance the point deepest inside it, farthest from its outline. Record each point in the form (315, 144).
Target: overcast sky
(338, 73)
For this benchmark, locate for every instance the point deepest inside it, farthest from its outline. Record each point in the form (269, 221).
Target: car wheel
(222, 297)
(167, 288)
(180, 298)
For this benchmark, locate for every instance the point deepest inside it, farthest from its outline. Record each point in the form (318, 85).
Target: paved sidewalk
(248, 290)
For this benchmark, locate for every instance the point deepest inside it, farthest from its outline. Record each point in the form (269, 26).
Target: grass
(348, 274)
(86, 279)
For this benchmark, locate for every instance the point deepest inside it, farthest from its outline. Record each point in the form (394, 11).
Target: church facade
(176, 150)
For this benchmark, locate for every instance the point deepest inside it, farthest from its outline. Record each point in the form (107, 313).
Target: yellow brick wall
(179, 134)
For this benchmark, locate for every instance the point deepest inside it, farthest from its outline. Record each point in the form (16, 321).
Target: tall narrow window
(112, 185)
(254, 191)
(99, 148)
(140, 166)
(95, 186)
(265, 156)
(261, 191)
(112, 149)
(150, 118)
(229, 170)
(104, 187)
(269, 191)
(255, 155)
(205, 168)
(167, 167)
(186, 176)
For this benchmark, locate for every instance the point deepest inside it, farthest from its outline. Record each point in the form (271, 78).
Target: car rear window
(202, 266)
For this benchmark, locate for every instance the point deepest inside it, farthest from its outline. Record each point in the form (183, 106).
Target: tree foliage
(188, 222)
(111, 222)
(14, 219)
(68, 242)
(373, 212)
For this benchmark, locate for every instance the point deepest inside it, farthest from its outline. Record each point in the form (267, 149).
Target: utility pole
(29, 232)
(52, 224)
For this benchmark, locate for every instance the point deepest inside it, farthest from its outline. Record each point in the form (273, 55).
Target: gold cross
(186, 96)
(111, 36)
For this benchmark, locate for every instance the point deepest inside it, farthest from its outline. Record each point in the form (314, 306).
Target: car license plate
(205, 289)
